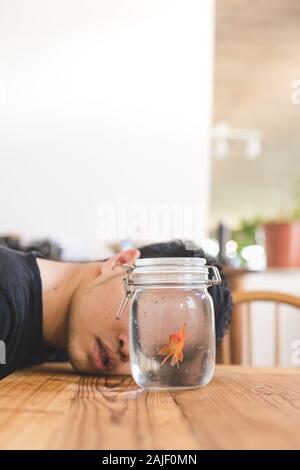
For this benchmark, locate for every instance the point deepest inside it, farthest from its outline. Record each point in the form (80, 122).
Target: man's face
(97, 342)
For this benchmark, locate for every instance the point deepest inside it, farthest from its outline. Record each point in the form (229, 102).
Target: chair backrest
(248, 298)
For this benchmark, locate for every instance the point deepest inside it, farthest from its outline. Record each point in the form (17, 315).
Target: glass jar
(171, 322)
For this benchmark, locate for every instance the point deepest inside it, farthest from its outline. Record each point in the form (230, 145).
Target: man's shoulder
(5, 329)
(20, 310)
(5, 317)
(14, 266)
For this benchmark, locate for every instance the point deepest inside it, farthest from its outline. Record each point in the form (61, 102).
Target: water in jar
(172, 338)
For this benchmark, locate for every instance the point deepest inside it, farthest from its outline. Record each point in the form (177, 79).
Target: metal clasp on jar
(216, 279)
(128, 288)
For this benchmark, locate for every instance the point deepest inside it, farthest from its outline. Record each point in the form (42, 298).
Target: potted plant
(282, 238)
(246, 235)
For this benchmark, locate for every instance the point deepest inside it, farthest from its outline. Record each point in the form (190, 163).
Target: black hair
(221, 294)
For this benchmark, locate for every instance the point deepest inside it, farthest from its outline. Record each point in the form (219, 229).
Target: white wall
(100, 99)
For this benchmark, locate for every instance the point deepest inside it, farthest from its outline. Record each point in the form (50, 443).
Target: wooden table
(51, 407)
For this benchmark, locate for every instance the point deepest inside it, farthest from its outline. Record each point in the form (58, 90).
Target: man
(49, 306)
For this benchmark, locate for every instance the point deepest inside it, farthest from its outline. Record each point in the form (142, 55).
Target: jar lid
(170, 271)
(174, 261)
(170, 265)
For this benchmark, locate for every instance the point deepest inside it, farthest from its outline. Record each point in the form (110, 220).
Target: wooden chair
(230, 348)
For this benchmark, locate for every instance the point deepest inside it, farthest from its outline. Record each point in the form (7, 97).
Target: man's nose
(123, 345)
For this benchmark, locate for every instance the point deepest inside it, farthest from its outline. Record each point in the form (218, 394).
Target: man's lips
(103, 357)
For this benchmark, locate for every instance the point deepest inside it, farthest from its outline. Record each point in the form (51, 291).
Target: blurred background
(123, 123)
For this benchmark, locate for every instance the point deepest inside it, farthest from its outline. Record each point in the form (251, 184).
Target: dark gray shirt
(21, 312)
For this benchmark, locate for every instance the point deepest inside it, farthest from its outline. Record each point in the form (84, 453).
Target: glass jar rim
(170, 270)
(170, 261)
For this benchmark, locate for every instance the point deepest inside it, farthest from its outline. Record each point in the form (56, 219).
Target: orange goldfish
(174, 347)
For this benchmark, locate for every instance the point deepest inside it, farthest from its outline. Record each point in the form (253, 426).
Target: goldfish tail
(174, 361)
(180, 356)
(165, 359)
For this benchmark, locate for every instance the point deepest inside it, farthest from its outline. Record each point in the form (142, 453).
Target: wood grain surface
(51, 407)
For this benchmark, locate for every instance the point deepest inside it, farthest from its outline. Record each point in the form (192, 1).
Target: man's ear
(123, 257)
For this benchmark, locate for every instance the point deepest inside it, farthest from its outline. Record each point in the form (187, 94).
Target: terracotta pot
(282, 241)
